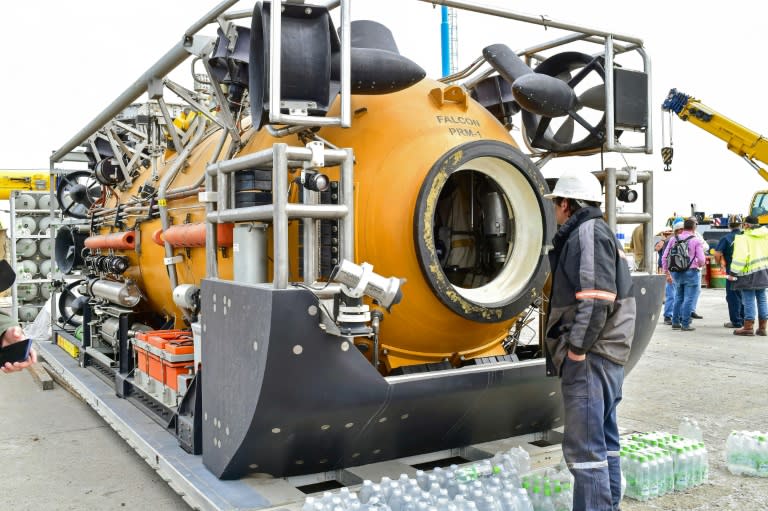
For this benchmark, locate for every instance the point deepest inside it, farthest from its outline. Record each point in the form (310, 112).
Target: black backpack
(677, 258)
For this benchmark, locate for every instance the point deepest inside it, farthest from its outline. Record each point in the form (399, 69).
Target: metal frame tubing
(168, 177)
(611, 177)
(280, 216)
(610, 118)
(279, 156)
(310, 198)
(12, 243)
(347, 199)
(164, 66)
(211, 258)
(540, 20)
(582, 33)
(275, 96)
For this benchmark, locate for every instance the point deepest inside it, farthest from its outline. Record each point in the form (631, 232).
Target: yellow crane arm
(751, 146)
(29, 180)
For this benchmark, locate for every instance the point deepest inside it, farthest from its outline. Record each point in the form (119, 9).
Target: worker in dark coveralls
(590, 326)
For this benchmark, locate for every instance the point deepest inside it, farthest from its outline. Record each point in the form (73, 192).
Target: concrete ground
(57, 454)
(715, 377)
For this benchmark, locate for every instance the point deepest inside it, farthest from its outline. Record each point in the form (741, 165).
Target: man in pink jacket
(686, 277)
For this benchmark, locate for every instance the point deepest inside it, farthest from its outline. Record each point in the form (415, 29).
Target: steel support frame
(612, 177)
(278, 158)
(581, 33)
(275, 115)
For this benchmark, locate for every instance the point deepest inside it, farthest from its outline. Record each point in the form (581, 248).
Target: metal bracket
(318, 155)
(155, 88)
(205, 197)
(118, 213)
(170, 261)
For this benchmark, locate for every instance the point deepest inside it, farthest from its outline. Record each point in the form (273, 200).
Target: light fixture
(359, 280)
(315, 181)
(626, 194)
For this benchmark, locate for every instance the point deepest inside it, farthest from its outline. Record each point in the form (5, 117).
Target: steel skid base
(187, 476)
(281, 397)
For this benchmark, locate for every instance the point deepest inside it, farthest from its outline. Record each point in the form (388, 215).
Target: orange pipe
(116, 240)
(157, 237)
(193, 235)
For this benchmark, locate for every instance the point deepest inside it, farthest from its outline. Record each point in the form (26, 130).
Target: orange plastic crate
(142, 359)
(172, 371)
(177, 357)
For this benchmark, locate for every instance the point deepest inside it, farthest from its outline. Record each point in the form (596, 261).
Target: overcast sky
(66, 61)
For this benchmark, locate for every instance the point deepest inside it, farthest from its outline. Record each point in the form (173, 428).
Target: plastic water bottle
(761, 464)
(309, 504)
(705, 465)
(377, 505)
(689, 428)
(475, 472)
(508, 501)
(547, 502)
(522, 458)
(535, 495)
(523, 500)
(643, 478)
(731, 453)
(654, 465)
(681, 469)
(396, 500)
(562, 500)
(366, 491)
(746, 448)
(669, 473)
(631, 471)
(697, 467)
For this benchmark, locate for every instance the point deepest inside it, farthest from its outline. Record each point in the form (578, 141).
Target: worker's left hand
(20, 366)
(12, 335)
(575, 357)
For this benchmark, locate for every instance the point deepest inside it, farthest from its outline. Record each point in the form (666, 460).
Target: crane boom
(34, 180)
(750, 145)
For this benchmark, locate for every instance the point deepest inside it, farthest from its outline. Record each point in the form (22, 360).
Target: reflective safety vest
(750, 259)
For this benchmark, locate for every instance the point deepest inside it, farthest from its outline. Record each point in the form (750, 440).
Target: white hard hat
(576, 184)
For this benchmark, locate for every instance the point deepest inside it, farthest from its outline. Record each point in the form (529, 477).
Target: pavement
(715, 377)
(58, 454)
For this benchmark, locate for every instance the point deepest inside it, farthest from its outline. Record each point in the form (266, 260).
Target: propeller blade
(564, 134)
(594, 98)
(506, 62)
(544, 95)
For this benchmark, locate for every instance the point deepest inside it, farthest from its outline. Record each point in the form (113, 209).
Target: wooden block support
(41, 376)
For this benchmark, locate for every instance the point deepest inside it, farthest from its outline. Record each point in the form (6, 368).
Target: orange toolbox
(165, 355)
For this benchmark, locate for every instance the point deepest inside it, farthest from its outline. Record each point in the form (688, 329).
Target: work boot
(747, 329)
(761, 327)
